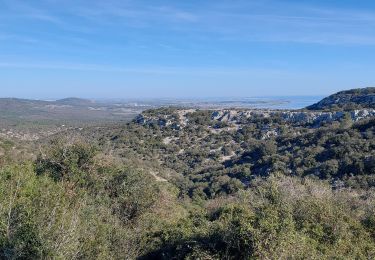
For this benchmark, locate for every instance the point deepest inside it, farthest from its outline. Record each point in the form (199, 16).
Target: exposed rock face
(357, 104)
(319, 117)
(355, 98)
(160, 120)
(238, 117)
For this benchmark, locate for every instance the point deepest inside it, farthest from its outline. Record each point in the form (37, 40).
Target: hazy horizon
(155, 96)
(185, 98)
(265, 102)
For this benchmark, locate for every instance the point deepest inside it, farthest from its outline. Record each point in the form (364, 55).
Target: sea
(284, 102)
(275, 102)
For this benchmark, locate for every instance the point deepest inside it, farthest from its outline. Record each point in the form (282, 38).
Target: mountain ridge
(347, 100)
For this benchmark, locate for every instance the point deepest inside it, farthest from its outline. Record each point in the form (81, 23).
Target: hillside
(177, 183)
(249, 176)
(347, 100)
(244, 144)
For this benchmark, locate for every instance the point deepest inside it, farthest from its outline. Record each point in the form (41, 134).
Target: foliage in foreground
(73, 204)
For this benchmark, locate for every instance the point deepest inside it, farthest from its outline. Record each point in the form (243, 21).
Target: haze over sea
(276, 102)
(269, 102)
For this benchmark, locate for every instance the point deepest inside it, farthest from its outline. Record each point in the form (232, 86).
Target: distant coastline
(270, 102)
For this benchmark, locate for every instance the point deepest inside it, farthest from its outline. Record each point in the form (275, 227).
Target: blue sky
(184, 48)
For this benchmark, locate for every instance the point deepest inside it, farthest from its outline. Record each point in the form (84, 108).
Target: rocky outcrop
(159, 120)
(300, 117)
(239, 117)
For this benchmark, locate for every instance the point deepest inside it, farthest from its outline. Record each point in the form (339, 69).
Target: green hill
(346, 100)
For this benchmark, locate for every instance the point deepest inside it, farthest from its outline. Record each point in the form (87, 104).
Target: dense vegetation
(209, 189)
(209, 158)
(70, 204)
